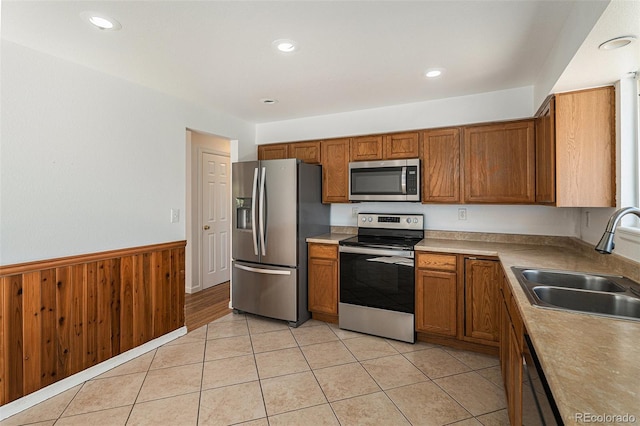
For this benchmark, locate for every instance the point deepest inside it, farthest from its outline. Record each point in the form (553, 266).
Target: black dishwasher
(538, 406)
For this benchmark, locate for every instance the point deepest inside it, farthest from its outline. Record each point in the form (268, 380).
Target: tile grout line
(316, 377)
(255, 361)
(146, 374)
(204, 358)
(69, 403)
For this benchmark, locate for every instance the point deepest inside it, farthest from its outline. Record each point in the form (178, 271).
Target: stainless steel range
(377, 279)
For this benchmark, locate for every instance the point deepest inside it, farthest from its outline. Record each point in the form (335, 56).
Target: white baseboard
(67, 383)
(192, 289)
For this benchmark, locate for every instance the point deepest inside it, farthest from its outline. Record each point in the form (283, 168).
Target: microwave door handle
(253, 211)
(403, 180)
(262, 218)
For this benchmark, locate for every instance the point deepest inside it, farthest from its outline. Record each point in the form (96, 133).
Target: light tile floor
(243, 369)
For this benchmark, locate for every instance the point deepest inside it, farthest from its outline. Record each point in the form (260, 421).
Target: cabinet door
(505, 328)
(514, 380)
(499, 162)
(335, 171)
(276, 151)
(436, 302)
(546, 155)
(481, 299)
(441, 166)
(309, 152)
(366, 148)
(585, 148)
(323, 279)
(401, 145)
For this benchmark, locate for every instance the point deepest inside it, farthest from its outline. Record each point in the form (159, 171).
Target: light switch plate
(175, 215)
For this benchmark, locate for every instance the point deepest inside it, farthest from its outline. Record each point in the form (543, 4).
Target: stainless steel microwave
(393, 180)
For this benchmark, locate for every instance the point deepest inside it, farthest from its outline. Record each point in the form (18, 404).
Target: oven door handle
(376, 252)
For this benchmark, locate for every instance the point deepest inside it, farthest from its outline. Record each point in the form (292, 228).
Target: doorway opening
(208, 211)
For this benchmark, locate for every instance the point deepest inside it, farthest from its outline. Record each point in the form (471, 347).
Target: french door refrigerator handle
(261, 270)
(263, 247)
(253, 211)
(403, 181)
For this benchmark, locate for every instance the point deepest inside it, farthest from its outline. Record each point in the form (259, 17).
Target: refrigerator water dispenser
(243, 213)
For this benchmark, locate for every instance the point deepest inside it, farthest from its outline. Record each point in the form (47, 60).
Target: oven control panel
(392, 221)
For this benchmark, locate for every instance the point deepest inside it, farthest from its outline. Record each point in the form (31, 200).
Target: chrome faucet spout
(606, 245)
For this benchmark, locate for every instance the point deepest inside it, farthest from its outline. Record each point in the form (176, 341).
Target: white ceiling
(352, 56)
(594, 67)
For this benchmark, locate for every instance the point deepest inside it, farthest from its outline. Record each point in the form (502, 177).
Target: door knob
(206, 227)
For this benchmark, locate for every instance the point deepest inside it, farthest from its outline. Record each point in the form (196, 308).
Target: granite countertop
(592, 363)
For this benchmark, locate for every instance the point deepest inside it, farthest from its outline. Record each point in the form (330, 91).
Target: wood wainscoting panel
(62, 316)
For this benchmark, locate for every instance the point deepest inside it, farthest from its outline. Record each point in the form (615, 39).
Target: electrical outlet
(354, 212)
(462, 214)
(587, 217)
(175, 215)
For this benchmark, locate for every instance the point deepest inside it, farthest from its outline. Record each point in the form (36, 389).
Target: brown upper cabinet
(335, 171)
(575, 149)
(546, 155)
(385, 147)
(401, 145)
(366, 148)
(309, 152)
(499, 163)
(274, 151)
(441, 166)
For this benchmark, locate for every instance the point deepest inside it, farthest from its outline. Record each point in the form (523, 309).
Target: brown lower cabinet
(323, 281)
(511, 352)
(457, 301)
(436, 293)
(481, 286)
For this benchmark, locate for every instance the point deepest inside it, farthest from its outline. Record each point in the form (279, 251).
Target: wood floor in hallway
(207, 305)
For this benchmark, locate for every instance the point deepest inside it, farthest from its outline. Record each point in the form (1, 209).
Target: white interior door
(215, 262)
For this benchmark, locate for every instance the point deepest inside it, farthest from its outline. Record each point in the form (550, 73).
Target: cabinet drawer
(446, 262)
(327, 251)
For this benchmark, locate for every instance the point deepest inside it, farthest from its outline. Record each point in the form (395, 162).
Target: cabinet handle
(206, 227)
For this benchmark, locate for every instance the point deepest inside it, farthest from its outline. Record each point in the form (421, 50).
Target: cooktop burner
(396, 231)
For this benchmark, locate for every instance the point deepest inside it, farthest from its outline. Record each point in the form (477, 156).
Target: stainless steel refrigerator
(277, 205)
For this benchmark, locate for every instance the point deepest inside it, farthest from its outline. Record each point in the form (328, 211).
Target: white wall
(91, 162)
(494, 106)
(579, 24)
(532, 220)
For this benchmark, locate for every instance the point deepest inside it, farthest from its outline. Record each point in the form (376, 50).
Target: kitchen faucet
(606, 245)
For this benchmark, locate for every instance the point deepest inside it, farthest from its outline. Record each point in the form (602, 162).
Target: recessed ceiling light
(101, 21)
(285, 45)
(268, 101)
(433, 72)
(617, 43)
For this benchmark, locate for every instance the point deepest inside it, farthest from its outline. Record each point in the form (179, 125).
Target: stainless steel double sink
(597, 294)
